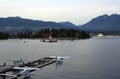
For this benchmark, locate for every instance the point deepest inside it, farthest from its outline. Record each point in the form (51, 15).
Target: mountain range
(18, 24)
(104, 23)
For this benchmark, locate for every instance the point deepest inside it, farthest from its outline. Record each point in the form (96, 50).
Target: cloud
(77, 11)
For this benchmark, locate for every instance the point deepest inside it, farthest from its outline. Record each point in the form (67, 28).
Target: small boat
(50, 39)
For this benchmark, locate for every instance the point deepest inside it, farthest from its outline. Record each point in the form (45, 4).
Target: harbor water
(89, 59)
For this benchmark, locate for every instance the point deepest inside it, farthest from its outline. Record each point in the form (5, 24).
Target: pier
(39, 63)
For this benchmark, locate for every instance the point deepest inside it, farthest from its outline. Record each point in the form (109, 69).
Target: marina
(39, 63)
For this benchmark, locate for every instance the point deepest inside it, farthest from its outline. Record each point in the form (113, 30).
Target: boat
(50, 39)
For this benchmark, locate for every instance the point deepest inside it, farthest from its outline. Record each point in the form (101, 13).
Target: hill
(69, 24)
(104, 23)
(18, 24)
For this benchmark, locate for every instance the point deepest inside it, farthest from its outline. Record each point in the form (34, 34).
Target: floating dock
(39, 63)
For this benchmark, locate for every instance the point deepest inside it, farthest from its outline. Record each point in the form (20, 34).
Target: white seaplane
(24, 73)
(58, 58)
(15, 62)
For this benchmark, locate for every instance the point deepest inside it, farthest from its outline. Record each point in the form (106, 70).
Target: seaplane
(24, 73)
(3, 65)
(58, 58)
(15, 62)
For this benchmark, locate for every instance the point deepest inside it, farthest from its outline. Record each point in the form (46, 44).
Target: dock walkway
(39, 63)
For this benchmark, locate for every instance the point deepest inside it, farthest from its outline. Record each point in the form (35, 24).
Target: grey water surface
(89, 59)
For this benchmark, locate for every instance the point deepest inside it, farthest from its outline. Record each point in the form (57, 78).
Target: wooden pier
(39, 63)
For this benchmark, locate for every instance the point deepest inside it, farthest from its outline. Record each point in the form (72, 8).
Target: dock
(39, 63)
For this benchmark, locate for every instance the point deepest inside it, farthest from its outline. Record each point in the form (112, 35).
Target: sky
(76, 11)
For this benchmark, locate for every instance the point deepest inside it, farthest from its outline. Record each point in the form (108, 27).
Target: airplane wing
(66, 57)
(52, 56)
(59, 56)
(8, 75)
(25, 68)
(25, 71)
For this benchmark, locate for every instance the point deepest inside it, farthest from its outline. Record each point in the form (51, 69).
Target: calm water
(90, 59)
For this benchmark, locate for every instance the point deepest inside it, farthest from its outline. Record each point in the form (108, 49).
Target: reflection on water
(90, 59)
